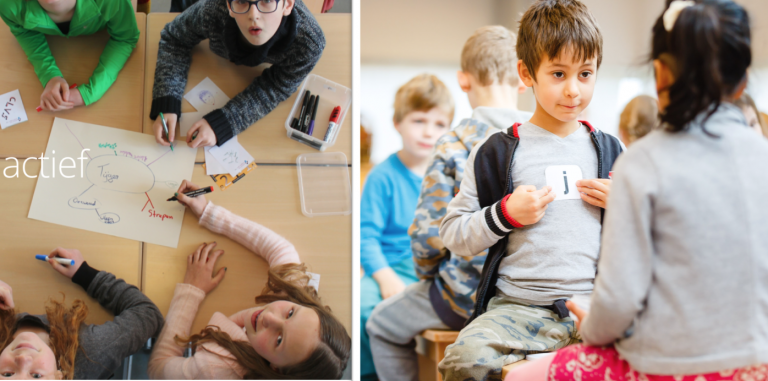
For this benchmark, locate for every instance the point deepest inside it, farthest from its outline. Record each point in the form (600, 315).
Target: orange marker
(38, 109)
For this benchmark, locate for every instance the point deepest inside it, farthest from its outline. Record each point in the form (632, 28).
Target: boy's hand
(170, 120)
(6, 296)
(205, 136)
(195, 204)
(67, 271)
(580, 314)
(75, 98)
(389, 283)
(54, 95)
(200, 266)
(527, 205)
(594, 192)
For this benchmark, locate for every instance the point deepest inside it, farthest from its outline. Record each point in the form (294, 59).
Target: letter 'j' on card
(11, 109)
(562, 179)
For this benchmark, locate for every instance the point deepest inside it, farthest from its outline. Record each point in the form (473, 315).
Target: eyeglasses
(243, 6)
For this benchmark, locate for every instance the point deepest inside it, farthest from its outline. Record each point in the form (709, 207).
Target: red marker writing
(334, 122)
(39, 108)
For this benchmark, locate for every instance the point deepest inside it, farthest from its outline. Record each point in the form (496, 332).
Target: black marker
(303, 109)
(194, 193)
(314, 115)
(308, 115)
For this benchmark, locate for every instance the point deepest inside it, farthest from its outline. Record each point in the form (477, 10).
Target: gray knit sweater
(293, 52)
(683, 267)
(103, 347)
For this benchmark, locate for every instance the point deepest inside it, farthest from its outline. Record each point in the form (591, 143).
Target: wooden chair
(430, 346)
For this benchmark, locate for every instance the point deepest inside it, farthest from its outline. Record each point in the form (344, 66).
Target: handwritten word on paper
(11, 109)
(232, 156)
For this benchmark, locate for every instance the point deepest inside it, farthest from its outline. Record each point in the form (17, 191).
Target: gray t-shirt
(554, 258)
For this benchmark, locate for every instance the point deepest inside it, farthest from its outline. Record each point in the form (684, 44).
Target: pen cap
(332, 95)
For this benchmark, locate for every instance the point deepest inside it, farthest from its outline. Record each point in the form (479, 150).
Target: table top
(121, 107)
(266, 140)
(34, 281)
(268, 195)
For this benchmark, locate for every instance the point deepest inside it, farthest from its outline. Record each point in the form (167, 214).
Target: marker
(63, 261)
(304, 104)
(195, 134)
(38, 109)
(165, 128)
(308, 114)
(194, 193)
(314, 115)
(333, 122)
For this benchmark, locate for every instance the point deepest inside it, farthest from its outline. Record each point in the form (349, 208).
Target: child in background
(683, 273)
(754, 119)
(31, 20)
(289, 335)
(540, 251)
(59, 345)
(279, 32)
(639, 117)
(444, 298)
(423, 113)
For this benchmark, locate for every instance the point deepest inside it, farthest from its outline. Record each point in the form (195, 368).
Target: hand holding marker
(63, 261)
(38, 109)
(193, 193)
(165, 127)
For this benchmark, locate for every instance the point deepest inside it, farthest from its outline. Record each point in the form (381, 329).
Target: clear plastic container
(324, 185)
(331, 95)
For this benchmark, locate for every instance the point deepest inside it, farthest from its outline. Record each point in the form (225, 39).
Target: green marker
(165, 127)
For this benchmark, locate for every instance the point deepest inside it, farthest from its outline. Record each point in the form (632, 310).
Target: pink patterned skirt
(585, 363)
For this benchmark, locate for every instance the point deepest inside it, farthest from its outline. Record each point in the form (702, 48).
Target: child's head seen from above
(701, 51)
(259, 20)
(560, 49)
(488, 58)
(423, 112)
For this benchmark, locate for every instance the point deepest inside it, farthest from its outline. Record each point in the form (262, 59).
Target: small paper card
(11, 109)
(314, 281)
(232, 156)
(562, 179)
(212, 166)
(206, 97)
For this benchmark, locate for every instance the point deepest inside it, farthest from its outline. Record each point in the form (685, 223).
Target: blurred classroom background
(400, 39)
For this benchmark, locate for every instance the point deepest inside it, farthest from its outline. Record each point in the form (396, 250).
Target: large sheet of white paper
(11, 109)
(121, 186)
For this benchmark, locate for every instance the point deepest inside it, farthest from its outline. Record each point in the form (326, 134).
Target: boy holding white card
(525, 199)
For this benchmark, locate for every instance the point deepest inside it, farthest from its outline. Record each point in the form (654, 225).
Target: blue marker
(63, 261)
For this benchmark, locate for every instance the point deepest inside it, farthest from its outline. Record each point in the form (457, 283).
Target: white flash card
(562, 179)
(11, 109)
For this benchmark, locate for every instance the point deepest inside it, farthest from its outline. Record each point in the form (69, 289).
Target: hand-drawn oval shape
(84, 203)
(120, 174)
(109, 218)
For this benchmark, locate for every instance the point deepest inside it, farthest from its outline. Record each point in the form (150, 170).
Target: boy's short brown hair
(489, 55)
(422, 93)
(550, 26)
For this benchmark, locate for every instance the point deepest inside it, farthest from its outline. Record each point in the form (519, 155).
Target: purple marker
(314, 114)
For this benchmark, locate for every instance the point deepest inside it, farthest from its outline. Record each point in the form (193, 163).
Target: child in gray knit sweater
(279, 32)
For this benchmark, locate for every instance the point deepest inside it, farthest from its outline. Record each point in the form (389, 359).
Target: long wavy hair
(287, 282)
(709, 52)
(65, 329)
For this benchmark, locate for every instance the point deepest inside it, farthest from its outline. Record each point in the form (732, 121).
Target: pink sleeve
(166, 361)
(269, 245)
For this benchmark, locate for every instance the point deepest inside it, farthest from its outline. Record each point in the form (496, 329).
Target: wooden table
(268, 195)
(121, 107)
(21, 238)
(266, 140)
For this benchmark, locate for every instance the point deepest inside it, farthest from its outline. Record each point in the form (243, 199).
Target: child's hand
(195, 204)
(6, 296)
(54, 95)
(389, 283)
(595, 191)
(205, 136)
(67, 271)
(580, 314)
(200, 266)
(527, 205)
(170, 121)
(75, 98)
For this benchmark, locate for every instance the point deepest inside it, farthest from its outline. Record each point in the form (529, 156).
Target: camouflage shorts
(504, 335)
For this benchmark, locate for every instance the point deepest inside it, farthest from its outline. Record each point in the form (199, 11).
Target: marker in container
(333, 122)
(38, 109)
(308, 114)
(314, 115)
(304, 104)
(194, 193)
(63, 261)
